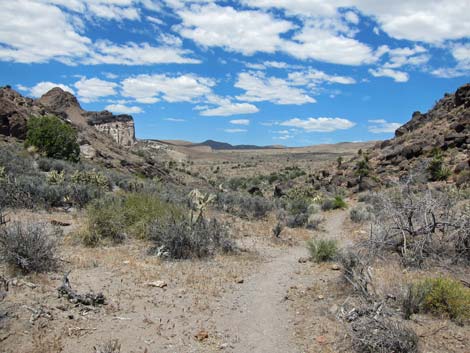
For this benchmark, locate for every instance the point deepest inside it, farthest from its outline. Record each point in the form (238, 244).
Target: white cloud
(43, 87)
(234, 131)
(351, 17)
(31, 31)
(92, 89)
(399, 57)
(320, 124)
(245, 32)
(313, 77)
(123, 109)
(398, 76)
(260, 88)
(240, 122)
(106, 52)
(228, 108)
(325, 45)
(461, 54)
(151, 88)
(382, 126)
(415, 20)
(175, 120)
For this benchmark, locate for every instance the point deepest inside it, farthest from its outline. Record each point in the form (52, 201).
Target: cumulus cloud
(382, 126)
(175, 120)
(320, 124)
(31, 31)
(230, 109)
(260, 88)
(398, 76)
(151, 88)
(43, 87)
(241, 31)
(123, 109)
(90, 90)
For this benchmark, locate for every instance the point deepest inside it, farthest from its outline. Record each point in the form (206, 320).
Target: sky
(264, 72)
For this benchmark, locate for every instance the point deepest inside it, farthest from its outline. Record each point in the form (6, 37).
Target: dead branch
(65, 290)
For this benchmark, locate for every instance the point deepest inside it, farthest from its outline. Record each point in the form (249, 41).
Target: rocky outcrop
(119, 127)
(445, 127)
(15, 110)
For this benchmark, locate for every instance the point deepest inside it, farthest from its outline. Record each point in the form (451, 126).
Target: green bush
(179, 238)
(359, 214)
(437, 170)
(53, 138)
(116, 217)
(441, 296)
(334, 204)
(322, 250)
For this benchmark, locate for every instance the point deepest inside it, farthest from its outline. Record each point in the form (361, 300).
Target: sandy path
(256, 317)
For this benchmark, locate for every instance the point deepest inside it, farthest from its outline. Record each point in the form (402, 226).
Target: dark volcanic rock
(462, 96)
(105, 117)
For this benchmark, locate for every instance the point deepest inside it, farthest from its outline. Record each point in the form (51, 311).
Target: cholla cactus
(55, 177)
(199, 203)
(90, 178)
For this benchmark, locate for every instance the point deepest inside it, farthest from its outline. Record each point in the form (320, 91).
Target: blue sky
(291, 72)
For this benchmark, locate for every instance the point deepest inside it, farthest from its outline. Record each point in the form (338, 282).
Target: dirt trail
(256, 318)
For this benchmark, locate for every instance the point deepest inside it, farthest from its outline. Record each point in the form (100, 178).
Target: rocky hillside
(444, 128)
(103, 137)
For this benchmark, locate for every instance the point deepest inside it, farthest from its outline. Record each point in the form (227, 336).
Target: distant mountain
(216, 145)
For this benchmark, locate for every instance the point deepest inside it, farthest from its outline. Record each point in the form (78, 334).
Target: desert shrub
(53, 138)
(356, 269)
(436, 169)
(179, 238)
(359, 214)
(362, 168)
(441, 296)
(380, 335)
(421, 225)
(322, 250)
(314, 221)
(243, 205)
(114, 217)
(334, 204)
(297, 221)
(30, 247)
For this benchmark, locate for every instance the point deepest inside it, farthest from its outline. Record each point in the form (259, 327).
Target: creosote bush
(322, 250)
(180, 238)
(439, 296)
(30, 247)
(116, 217)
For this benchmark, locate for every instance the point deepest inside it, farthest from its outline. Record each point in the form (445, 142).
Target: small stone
(223, 346)
(239, 280)
(321, 339)
(303, 260)
(333, 309)
(320, 297)
(202, 335)
(335, 267)
(159, 284)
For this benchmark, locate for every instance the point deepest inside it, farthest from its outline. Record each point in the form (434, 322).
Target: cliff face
(15, 110)
(119, 127)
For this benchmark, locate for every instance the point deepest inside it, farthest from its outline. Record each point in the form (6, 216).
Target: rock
(279, 191)
(368, 183)
(462, 96)
(333, 309)
(303, 260)
(119, 127)
(239, 280)
(202, 335)
(159, 284)
(254, 190)
(335, 267)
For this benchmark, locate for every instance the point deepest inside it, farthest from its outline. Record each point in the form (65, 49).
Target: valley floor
(267, 298)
